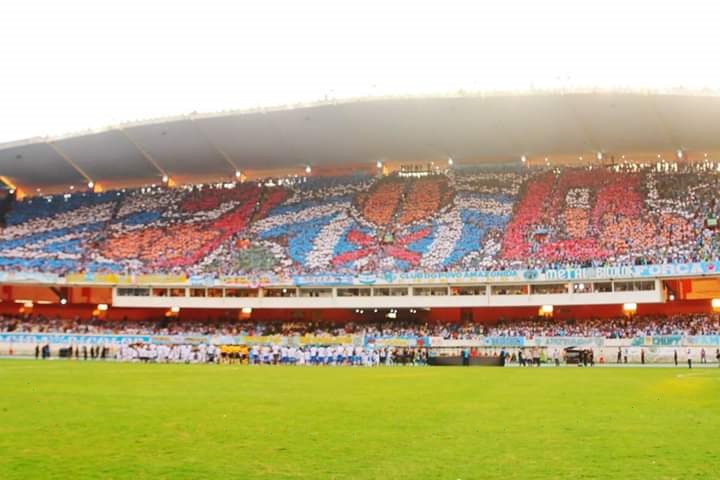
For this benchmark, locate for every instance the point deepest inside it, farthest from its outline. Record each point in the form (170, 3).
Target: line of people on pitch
(179, 353)
(340, 355)
(94, 352)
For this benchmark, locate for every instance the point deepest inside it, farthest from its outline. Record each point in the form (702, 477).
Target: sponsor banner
(401, 341)
(113, 279)
(64, 339)
(388, 278)
(635, 271)
(324, 340)
(322, 280)
(255, 281)
(456, 343)
(262, 340)
(504, 341)
(707, 340)
(89, 277)
(657, 340)
(439, 277)
(565, 342)
(202, 280)
(152, 279)
(179, 339)
(224, 340)
(617, 342)
(29, 277)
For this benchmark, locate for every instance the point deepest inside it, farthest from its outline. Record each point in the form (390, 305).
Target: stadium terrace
(479, 233)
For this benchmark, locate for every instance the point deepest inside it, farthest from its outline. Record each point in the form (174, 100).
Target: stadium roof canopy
(470, 128)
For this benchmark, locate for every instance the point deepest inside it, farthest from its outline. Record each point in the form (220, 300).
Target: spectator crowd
(465, 218)
(617, 327)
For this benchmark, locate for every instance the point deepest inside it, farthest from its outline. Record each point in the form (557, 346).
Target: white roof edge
(460, 93)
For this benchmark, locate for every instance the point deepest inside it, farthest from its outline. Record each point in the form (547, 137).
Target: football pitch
(68, 419)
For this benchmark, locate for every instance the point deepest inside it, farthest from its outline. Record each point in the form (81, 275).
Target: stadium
(393, 283)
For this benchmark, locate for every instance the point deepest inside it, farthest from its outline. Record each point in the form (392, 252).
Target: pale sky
(73, 65)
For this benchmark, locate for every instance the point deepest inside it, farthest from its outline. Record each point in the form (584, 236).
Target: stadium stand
(466, 218)
(612, 328)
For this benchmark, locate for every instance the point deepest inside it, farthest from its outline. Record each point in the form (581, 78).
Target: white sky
(70, 65)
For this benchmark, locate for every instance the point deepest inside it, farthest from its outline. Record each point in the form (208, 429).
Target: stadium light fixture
(629, 308)
(165, 179)
(715, 302)
(237, 173)
(523, 159)
(450, 161)
(378, 164)
(91, 184)
(599, 156)
(680, 154)
(308, 169)
(63, 301)
(103, 307)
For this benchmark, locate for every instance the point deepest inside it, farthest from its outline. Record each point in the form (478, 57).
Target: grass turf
(67, 419)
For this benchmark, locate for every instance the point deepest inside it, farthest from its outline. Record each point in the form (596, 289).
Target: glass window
(549, 288)
(476, 290)
(133, 292)
(241, 292)
(353, 292)
(316, 292)
(582, 287)
(279, 292)
(602, 287)
(509, 290)
(390, 292)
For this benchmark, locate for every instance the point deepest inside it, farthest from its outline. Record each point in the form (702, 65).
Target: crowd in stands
(593, 217)
(621, 327)
(465, 218)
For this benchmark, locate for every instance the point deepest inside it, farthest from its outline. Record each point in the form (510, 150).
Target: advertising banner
(324, 340)
(703, 340)
(387, 278)
(30, 277)
(657, 340)
(323, 280)
(565, 342)
(397, 341)
(262, 340)
(72, 339)
(254, 281)
(504, 341)
(456, 343)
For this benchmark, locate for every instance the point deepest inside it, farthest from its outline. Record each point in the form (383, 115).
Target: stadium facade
(335, 166)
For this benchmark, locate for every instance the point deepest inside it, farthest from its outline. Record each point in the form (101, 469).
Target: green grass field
(64, 419)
